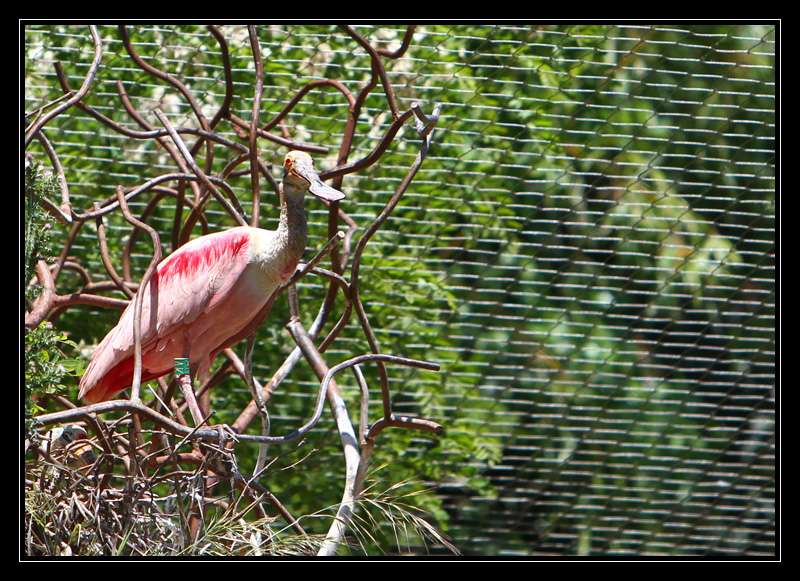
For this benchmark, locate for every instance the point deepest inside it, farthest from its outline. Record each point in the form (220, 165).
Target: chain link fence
(589, 252)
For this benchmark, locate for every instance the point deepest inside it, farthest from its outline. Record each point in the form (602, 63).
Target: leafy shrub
(45, 363)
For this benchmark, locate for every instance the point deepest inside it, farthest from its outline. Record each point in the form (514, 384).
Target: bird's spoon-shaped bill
(316, 185)
(324, 191)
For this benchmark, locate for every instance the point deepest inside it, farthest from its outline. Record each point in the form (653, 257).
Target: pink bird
(208, 294)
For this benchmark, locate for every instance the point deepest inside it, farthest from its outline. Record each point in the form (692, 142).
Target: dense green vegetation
(47, 369)
(588, 252)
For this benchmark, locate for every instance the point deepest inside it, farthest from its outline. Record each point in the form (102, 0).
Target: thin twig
(106, 258)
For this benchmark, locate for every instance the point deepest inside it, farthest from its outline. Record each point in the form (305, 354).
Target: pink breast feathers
(189, 261)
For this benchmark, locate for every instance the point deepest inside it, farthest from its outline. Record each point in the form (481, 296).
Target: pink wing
(192, 280)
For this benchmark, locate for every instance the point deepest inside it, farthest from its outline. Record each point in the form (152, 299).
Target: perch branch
(344, 513)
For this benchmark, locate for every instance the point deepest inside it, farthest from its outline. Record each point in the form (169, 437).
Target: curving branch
(167, 78)
(106, 258)
(112, 204)
(374, 155)
(307, 88)
(377, 64)
(409, 34)
(137, 309)
(37, 125)
(64, 211)
(161, 192)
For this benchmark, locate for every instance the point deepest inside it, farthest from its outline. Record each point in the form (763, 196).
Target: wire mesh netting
(588, 251)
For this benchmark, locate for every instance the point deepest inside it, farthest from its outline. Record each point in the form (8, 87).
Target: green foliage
(38, 185)
(46, 365)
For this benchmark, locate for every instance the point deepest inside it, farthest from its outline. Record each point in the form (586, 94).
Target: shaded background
(588, 251)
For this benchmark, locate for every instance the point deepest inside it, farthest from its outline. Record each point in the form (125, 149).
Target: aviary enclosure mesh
(589, 251)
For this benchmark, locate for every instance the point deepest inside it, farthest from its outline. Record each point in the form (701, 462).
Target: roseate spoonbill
(209, 293)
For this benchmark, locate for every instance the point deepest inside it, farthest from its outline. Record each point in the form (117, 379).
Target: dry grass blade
(230, 534)
(391, 507)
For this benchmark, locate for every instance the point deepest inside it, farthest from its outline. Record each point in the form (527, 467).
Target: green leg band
(182, 366)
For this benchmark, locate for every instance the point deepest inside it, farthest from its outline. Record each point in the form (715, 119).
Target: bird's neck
(292, 228)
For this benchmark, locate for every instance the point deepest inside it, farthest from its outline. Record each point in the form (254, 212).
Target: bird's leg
(184, 378)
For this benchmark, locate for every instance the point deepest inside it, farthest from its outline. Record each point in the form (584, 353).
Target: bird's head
(299, 175)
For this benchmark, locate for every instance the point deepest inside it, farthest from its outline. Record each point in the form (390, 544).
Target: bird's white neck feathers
(288, 242)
